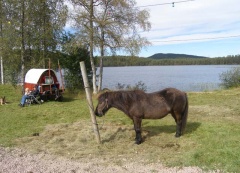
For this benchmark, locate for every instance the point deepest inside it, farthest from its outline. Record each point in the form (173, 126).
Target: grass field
(211, 140)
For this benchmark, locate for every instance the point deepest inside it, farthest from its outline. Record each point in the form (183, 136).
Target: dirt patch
(18, 160)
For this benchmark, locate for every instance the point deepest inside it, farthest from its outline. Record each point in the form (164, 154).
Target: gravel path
(20, 161)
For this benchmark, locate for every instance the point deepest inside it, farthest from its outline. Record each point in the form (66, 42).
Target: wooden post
(2, 71)
(59, 68)
(89, 100)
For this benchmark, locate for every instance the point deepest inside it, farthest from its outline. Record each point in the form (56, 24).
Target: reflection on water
(186, 78)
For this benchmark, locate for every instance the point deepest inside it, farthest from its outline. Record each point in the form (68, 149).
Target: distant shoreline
(116, 61)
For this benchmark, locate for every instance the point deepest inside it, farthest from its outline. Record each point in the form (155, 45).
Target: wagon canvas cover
(33, 76)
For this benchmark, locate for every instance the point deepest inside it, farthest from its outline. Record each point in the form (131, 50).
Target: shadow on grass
(156, 130)
(113, 136)
(150, 131)
(67, 99)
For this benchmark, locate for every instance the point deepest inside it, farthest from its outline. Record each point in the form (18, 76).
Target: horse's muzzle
(99, 114)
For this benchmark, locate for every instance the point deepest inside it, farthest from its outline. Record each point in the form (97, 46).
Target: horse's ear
(106, 94)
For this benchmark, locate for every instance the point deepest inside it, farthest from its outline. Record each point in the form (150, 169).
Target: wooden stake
(89, 99)
(59, 68)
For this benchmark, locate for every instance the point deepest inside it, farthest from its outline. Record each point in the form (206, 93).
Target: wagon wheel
(60, 98)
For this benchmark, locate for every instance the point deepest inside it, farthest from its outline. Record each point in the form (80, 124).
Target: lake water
(186, 78)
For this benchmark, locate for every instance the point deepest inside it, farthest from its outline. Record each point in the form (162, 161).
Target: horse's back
(177, 98)
(171, 90)
(168, 92)
(158, 104)
(172, 96)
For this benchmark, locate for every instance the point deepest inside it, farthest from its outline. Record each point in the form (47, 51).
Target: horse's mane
(133, 95)
(124, 96)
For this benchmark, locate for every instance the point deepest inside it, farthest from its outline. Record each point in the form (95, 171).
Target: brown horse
(139, 105)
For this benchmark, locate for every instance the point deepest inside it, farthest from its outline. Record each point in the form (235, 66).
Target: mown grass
(211, 140)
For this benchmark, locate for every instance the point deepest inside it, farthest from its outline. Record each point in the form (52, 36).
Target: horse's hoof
(138, 142)
(177, 135)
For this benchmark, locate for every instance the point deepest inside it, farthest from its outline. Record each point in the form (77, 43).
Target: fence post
(89, 100)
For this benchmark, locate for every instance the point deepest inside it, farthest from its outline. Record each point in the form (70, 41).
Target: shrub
(138, 86)
(231, 78)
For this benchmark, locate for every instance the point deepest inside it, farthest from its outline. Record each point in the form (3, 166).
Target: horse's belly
(156, 114)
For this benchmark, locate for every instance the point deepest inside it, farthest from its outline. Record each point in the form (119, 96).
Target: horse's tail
(185, 115)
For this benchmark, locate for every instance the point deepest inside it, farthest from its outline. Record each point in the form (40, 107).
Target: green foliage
(231, 78)
(110, 28)
(70, 60)
(138, 86)
(112, 61)
(30, 32)
(173, 56)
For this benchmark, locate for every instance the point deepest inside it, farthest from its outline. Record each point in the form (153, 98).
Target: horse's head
(102, 106)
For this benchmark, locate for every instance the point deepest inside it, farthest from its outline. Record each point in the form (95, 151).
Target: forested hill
(173, 56)
(137, 61)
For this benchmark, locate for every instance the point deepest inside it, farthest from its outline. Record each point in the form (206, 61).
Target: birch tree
(84, 24)
(109, 26)
(1, 41)
(119, 23)
(31, 33)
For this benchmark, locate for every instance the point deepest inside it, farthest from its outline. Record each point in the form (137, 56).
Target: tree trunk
(44, 36)
(1, 35)
(91, 49)
(100, 74)
(22, 42)
(101, 61)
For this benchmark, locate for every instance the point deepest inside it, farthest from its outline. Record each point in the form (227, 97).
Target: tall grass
(211, 140)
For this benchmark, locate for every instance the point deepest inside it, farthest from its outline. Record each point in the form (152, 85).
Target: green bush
(231, 78)
(138, 86)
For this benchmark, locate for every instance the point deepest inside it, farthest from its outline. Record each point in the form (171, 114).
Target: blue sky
(199, 27)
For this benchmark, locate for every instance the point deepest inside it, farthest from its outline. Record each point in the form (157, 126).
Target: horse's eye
(101, 99)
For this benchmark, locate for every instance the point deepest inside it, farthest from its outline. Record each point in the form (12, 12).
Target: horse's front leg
(137, 127)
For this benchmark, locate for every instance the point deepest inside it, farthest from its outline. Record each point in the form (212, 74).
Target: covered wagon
(47, 82)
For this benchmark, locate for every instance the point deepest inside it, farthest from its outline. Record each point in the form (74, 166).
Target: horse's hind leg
(178, 121)
(137, 127)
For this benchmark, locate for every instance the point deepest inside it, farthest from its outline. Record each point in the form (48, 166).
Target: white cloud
(196, 19)
(191, 22)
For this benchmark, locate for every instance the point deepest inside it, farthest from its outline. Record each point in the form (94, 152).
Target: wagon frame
(47, 82)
